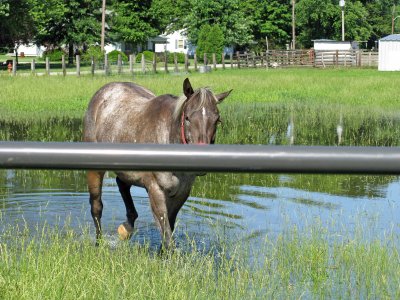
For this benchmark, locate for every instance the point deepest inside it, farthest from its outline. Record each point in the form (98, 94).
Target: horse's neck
(175, 130)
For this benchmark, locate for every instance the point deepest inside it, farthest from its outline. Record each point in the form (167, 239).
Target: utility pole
(103, 25)
(393, 12)
(342, 4)
(293, 25)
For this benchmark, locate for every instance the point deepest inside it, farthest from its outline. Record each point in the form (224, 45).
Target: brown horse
(124, 112)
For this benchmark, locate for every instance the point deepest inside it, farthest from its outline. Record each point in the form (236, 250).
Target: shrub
(54, 54)
(148, 56)
(95, 52)
(180, 58)
(113, 56)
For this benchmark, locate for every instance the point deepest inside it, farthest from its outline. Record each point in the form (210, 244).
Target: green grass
(60, 263)
(63, 263)
(55, 96)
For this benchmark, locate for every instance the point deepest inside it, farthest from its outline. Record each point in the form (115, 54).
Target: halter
(183, 138)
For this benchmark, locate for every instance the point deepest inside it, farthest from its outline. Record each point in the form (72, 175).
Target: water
(236, 206)
(249, 211)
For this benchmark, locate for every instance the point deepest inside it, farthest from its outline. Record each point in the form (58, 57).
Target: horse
(124, 112)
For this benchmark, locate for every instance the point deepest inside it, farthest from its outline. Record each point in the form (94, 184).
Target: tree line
(243, 24)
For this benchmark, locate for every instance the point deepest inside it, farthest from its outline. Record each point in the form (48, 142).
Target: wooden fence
(159, 62)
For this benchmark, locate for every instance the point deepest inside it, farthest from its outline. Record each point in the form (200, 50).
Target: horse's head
(199, 114)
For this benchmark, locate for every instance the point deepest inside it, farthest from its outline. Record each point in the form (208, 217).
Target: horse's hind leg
(125, 230)
(95, 183)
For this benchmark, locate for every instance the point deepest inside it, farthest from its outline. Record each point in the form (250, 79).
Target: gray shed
(389, 53)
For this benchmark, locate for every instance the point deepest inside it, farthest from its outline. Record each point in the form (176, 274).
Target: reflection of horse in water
(128, 113)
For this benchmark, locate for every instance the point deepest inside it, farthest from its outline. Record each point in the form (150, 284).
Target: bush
(95, 52)
(113, 56)
(148, 56)
(180, 58)
(54, 54)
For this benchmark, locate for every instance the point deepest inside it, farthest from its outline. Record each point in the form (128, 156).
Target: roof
(392, 37)
(330, 41)
(158, 39)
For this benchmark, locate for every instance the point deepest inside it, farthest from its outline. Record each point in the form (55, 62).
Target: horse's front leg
(158, 203)
(125, 230)
(95, 183)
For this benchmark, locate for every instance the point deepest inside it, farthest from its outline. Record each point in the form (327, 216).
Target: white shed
(389, 53)
(331, 45)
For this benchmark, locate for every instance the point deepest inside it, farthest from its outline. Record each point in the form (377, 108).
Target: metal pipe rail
(197, 158)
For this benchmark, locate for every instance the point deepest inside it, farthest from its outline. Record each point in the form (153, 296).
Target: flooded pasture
(236, 206)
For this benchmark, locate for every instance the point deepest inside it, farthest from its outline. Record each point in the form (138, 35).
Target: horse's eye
(187, 119)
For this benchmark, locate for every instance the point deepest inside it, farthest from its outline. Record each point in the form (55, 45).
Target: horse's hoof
(125, 231)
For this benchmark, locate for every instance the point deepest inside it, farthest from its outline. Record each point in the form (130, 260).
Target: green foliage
(53, 55)
(133, 22)
(95, 52)
(275, 23)
(180, 57)
(113, 56)
(235, 25)
(318, 19)
(77, 23)
(70, 22)
(4, 8)
(16, 24)
(211, 40)
(148, 56)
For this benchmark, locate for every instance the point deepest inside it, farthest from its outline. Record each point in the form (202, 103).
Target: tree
(275, 22)
(236, 27)
(134, 22)
(380, 14)
(211, 40)
(70, 22)
(16, 24)
(318, 19)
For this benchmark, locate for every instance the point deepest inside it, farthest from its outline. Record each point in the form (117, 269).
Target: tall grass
(55, 96)
(59, 264)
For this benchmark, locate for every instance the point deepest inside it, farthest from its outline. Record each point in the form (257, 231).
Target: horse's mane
(203, 95)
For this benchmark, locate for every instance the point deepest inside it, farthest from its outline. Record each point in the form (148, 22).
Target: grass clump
(63, 264)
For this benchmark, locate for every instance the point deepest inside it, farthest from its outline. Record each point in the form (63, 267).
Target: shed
(331, 45)
(389, 53)
(330, 53)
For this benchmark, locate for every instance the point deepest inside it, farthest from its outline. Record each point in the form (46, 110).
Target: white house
(30, 49)
(176, 42)
(389, 53)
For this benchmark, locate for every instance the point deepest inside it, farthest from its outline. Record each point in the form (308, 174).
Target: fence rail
(162, 62)
(197, 158)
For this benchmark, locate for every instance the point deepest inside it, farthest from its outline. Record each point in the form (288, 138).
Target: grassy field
(54, 96)
(49, 263)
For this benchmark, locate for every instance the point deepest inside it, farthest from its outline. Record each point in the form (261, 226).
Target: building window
(181, 44)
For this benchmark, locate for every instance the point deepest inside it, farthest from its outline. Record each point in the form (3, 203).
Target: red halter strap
(183, 138)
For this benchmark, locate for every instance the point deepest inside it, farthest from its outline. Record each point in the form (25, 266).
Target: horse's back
(111, 108)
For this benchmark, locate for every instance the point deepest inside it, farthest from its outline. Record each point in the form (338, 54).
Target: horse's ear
(187, 88)
(221, 97)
